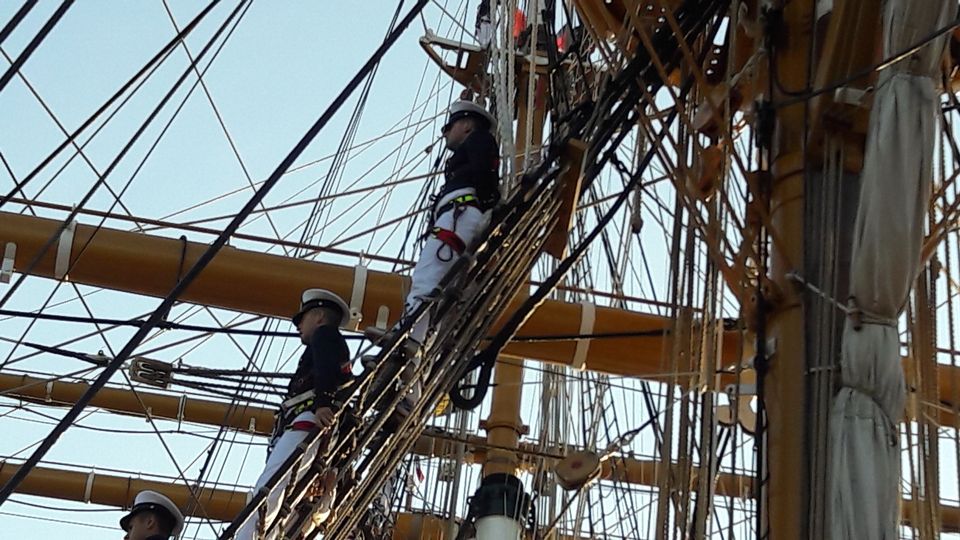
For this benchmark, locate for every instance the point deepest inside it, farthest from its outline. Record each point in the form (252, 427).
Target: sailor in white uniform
(152, 517)
(323, 368)
(461, 212)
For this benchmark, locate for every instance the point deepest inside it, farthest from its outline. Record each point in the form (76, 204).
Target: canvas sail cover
(887, 239)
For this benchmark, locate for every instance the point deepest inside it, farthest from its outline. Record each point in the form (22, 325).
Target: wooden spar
(271, 285)
(259, 421)
(256, 420)
(112, 490)
(224, 504)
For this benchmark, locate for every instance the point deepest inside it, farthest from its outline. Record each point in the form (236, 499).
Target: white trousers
(437, 257)
(435, 261)
(284, 446)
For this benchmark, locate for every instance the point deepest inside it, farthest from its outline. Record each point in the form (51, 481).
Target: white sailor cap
(463, 109)
(314, 298)
(155, 502)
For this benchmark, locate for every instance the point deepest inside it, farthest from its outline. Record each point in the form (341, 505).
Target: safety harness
(450, 237)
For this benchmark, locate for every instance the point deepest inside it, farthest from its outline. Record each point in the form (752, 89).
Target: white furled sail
(888, 234)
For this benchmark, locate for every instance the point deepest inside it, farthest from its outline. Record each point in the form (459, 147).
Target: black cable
(623, 93)
(207, 256)
(230, 392)
(533, 301)
(16, 19)
(63, 352)
(221, 374)
(162, 325)
(82, 249)
(116, 161)
(311, 227)
(96, 114)
(34, 43)
(168, 325)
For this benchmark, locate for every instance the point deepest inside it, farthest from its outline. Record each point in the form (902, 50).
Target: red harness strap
(451, 239)
(303, 425)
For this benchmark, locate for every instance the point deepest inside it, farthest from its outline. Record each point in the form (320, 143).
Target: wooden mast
(784, 471)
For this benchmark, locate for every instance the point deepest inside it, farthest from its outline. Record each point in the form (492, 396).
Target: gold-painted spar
(183, 408)
(112, 490)
(259, 421)
(224, 504)
(270, 285)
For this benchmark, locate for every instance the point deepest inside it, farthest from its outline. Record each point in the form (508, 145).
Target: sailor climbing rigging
(461, 212)
(324, 367)
(152, 517)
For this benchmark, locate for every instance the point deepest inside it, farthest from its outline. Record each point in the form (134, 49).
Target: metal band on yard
(64, 249)
(588, 316)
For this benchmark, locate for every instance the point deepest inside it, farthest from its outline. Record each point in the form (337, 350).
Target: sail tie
(857, 315)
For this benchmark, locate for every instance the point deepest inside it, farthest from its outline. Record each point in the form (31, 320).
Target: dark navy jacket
(475, 163)
(323, 367)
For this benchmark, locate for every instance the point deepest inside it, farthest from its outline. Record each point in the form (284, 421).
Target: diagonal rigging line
(16, 19)
(63, 129)
(107, 104)
(194, 496)
(362, 147)
(335, 173)
(34, 43)
(204, 259)
(116, 161)
(102, 179)
(358, 191)
(398, 166)
(153, 425)
(216, 112)
(339, 238)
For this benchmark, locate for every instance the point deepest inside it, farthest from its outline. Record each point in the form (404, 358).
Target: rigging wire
(164, 51)
(216, 112)
(48, 519)
(65, 132)
(116, 161)
(102, 178)
(335, 174)
(206, 257)
(162, 325)
(51, 420)
(810, 93)
(35, 42)
(16, 19)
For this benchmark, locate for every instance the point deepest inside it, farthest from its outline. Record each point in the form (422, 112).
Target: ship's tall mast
(780, 359)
